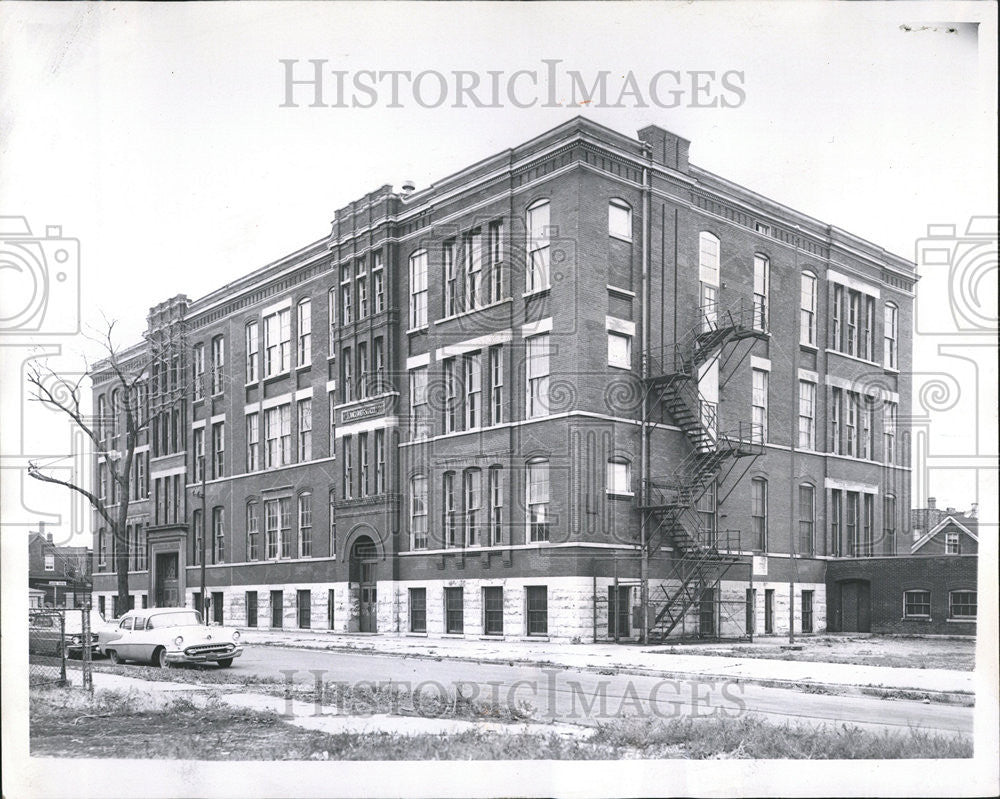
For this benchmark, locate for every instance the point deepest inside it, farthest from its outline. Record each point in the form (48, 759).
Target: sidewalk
(624, 659)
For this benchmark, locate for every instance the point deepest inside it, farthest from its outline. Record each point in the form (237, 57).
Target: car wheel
(225, 662)
(160, 658)
(113, 655)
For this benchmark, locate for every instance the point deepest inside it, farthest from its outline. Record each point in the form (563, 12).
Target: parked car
(165, 636)
(45, 633)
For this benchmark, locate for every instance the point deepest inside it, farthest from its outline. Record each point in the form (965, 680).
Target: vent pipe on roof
(407, 188)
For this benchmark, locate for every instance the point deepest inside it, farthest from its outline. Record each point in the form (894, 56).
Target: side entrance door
(166, 580)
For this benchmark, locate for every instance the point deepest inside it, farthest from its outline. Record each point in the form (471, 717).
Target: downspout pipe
(644, 373)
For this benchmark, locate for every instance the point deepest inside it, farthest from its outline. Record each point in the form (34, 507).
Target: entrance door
(706, 614)
(855, 606)
(618, 612)
(167, 595)
(364, 558)
(217, 602)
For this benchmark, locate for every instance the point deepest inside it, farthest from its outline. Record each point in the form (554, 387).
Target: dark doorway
(277, 609)
(217, 602)
(855, 606)
(706, 614)
(167, 595)
(768, 611)
(364, 557)
(618, 612)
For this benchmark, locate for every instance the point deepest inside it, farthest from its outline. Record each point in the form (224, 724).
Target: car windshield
(181, 618)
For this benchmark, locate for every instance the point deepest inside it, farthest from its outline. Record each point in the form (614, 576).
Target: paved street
(586, 697)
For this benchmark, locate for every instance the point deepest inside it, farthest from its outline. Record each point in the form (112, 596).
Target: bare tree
(116, 435)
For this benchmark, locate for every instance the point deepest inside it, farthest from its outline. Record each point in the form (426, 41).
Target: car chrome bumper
(208, 657)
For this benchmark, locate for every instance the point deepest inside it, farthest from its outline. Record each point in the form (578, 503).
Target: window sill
(850, 357)
(277, 375)
(460, 314)
(537, 292)
(620, 366)
(414, 330)
(303, 366)
(969, 620)
(620, 494)
(891, 370)
(453, 635)
(616, 237)
(416, 634)
(621, 291)
(917, 618)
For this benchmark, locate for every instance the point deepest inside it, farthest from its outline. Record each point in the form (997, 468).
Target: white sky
(154, 135)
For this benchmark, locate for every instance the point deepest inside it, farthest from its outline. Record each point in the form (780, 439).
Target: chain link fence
(60, 640)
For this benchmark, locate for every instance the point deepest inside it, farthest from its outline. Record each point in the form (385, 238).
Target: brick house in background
(944, 532)
(60, 573)
(579, 389)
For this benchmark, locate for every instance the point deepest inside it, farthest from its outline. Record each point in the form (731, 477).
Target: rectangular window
(889, 334)
(962, 604)
(378, 282)
(418, 512)
(807, 611)
(285, 526)
(538, 376)
(867, 428)
(889, 524)
(418, 290)
(303, 608)
(418, 610)
(496, 506)
(619, 350)
(889, 432)
(277, 436)
(454, 611)
(807, 415)
(807, 517)
(346, 298)
(538, 247)
(277, 342)
(868, 330)
(197, 372)
(378, 356)
(347, 376)
(362, 282)
(379, 462)
(253, 442)
(218, 536)
(851, 425)
(448, 507)
(304, 407)
(253, 352)
(706, 507)
(473, 269)
(836, 412)
(363, 376)
(952, 544)
(219, 448)
(251, 603)
(619, 220)
(473, 495)
(758, 400)
(271, 528)
(837, 319)
(50, 563)
(253, 533)
(473, 390)
(305, 524)
(758, 512)
(617, 479)
(348, 473)
(331, 305)
(851, 333)
(199, 459)
(419, 410)
(277, 609)
(363, 463)
(304, 323)
(496, 384)
(761, 283)
(332, 514)
(852, 523)
(836, 500)
(450, 279)
(496, 261)
(493, 611)
(807, 316)
(537, 609)
(538, 501)
(450, 396)
(916, 604)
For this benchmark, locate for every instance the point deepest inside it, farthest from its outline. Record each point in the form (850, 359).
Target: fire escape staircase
(702, 555)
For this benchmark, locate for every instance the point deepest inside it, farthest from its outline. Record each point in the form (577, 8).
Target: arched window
(807, 315)
(620, 219)
(537, 490)
(418, 289)
(305, 524)
(708, 275)
(890, 332)
(761, 290)
(253, 351)
(198, 527)
(218, 535)
(418, 512)
(198, 371)
(618, 478)
(496, 506)
(218, 364)
(537, 225)
(116, 412)
(253, 531)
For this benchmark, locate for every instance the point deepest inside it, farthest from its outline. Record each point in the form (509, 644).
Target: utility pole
(204, 530)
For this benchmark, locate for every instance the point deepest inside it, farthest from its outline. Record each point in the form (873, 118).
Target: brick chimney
(931, 503)
(667, 148)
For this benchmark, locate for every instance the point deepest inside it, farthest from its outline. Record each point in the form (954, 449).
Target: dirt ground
(863, 650)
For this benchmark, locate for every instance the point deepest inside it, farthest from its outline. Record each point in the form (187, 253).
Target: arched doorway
(364, 557)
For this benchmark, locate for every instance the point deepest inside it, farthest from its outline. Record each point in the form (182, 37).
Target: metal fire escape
(702, 555)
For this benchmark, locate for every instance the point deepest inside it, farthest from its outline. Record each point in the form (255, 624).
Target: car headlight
(179, 640)
(236, 635)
